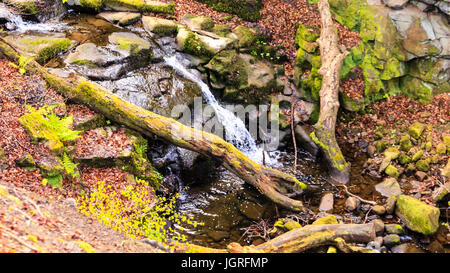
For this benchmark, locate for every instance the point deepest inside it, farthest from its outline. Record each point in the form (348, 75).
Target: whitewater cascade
(235, 130)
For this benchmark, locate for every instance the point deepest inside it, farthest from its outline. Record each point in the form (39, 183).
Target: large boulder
(201, 45)
(417, 215)
(123, 18)
(159, 25)
(245, 77)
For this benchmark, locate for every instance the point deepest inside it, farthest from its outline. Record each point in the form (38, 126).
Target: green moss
(327, 220)
(417, 215)
(193, 45)
(416, 130)
(146, 6)
(381, 146)
(222, 30)
(82, 62)
(417, 155)
(247, 10)
(404, 159)
(392, 153)
(246, 36)
(26, 161)
(405, 143)
(441, 148)
(57, 46)
(391, 171)
(423, 165)
(92, 4)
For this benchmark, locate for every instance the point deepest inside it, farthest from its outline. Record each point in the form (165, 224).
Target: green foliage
(23, 62)
(136, 212)
(70, 167)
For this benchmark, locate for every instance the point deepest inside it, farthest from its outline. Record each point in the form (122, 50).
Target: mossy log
(270, 182)
(324, 130)
(302, 239)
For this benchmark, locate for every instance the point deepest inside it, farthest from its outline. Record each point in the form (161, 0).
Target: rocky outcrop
(404, 47)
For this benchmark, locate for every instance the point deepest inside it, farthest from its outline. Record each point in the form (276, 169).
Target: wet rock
(218, 235)
(121, 18)
(388, 187)
(390, 204)
(373, 245)
(251, 210)
(379, 226)
(391, 239)
(201, 45)
(42, 47)
(417, 215)
(326, 203)
(394, 229)
(406, 248)
(379, 210)
(197, 22)
(352, 203)
(158, 89)
(159, 26)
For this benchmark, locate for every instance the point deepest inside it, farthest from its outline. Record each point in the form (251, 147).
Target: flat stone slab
(122, 18)
(389, 187)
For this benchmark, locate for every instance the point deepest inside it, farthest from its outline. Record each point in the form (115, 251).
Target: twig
(356, 196)
(293, 130)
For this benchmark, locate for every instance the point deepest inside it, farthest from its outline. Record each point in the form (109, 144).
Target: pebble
(390, 204)
(420, 175)
(391, 239)
(379, 210)
(379, 226)
(352, 203)
(394, 229)
(327, 202)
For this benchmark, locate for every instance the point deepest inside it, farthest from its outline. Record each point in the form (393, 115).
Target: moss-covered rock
(441, 148)
(404, 159)
(194, 22)
(246, 36)
(159, 25)
(391, 171)
(222, 30)
(245, 9)
(326, 220)
(416, 130)
(26, 161)
(29, 7)
(42, 48)
(423, 165)
(417, 155)
(417, 215)
(121, 18)
(405, 143)
(139, 5)
(200, 45)
(381, 145)
(392, 153)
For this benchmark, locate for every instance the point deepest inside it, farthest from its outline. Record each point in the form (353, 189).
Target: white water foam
(22, 26)
(236, 132)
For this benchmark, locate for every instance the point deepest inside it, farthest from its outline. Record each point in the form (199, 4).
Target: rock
(394, 229)
(25, 161)
(441, 192)
(404, 159)
(159, 26)
(379, 210)
(392, 153)
(326, 220)
(391, 239)
(201, 45)
(405, 143)
(388, 187)
(392, 171)
(121, 18)
(246, 36)
(446, 170)
(128, 43)
(420, 175)
(197, 22)
(417, 215)
(381, 145)
(441, 148)
(251, 210)
(423, 165)
(246, 77)
(396, 4)
(379, 226)
(416, 129)
(406, 248)
(352, 203)
(326, 203)
(371, 150)
(390, 204)
(218, 235)
(158, 89)
(245, 9)
(41, 47)
(373, 245)
(417, 155)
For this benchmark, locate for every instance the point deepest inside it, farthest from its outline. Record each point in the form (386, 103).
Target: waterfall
(235, 130)
(22, 26)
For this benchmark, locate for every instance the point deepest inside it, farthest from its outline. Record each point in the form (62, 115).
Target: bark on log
(302, 239)
(270, 182)
(324, 130)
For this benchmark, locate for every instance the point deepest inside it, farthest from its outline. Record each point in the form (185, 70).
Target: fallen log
(301, 239)
(324, 130)
(270, 182)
